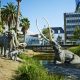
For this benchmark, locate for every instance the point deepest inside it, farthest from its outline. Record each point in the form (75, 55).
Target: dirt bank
(7, 68)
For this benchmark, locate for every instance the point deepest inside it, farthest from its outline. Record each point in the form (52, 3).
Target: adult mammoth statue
(9, 43)
(60, 55)
(5, 39)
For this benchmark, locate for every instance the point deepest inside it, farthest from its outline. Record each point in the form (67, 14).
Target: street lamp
(18, 13)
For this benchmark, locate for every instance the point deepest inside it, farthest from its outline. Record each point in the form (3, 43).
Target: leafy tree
(25, 23)
(59, 39)
(46, 32)
(76, 34)
(9, 14)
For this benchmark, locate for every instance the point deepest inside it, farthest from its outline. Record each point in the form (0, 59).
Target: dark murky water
(71, 72)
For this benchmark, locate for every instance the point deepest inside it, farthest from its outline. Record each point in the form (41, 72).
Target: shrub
(22, 73)
(75, 50)
(32, 70)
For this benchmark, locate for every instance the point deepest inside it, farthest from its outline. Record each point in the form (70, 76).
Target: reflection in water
(70, 72)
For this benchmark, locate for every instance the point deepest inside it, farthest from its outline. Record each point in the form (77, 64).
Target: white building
(58, 34)
(33, 39)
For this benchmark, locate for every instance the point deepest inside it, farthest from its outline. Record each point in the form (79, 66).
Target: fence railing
(41, 48)
(46, 48)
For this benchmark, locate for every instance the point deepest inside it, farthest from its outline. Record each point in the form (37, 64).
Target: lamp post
(18, 13)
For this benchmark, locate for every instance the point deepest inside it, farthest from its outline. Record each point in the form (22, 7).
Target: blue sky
(52, 10)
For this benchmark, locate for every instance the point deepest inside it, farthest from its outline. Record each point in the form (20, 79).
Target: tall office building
(71, 21)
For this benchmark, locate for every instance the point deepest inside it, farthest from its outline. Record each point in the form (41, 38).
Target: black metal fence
(46, 48)
(41, 48)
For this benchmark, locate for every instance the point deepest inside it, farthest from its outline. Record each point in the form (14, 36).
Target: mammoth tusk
(41, 32)
(51, 33)
(49, 29)
(45, 36)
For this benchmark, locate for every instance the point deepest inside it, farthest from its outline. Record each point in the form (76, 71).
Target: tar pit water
(69, 71)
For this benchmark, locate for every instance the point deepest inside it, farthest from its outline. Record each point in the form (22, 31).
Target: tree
(18, 13)
(46, 32)
(9, 15)
(0, 19)
(25, 23)
(76, 34)
(59, 39)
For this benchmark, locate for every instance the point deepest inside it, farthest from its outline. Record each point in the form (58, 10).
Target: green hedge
(32, 70)
(75, 50)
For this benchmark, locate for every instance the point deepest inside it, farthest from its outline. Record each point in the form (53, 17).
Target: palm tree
(0, 19)
(9, 14)
(18, 13)
(0, 10)
(25, 23)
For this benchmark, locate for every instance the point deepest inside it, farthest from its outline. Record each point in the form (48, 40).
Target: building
(33, 39)
(71, 21)
(36, 39)
(58, 34)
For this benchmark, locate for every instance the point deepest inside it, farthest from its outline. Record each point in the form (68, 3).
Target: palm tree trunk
(8, 26)
(2, 24)
(18, 12)
(0, 10)
(24, 41)
(24, 37)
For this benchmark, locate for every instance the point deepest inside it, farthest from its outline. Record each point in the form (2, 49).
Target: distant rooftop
(57, 30)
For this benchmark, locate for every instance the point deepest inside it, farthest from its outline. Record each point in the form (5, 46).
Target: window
(58, 31)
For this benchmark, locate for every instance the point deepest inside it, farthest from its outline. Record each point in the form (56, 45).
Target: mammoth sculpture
(9, 44)
(8, 41)
(60, 55)
(5, 39)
